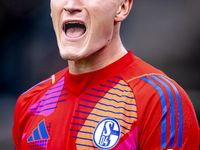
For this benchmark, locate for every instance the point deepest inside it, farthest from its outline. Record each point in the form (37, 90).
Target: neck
(113, 51)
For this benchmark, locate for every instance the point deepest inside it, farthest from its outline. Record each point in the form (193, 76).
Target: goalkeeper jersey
(128, 105)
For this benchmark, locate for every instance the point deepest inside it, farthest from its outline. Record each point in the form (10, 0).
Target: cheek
(103, 23)
(53, 11)
(104, 15)
(56, 10)
(101, 34)
(53, 6)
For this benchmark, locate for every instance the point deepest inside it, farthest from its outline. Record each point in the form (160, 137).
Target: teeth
(70, 24)
(75, 22)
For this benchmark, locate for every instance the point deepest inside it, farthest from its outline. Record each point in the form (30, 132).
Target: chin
(73, 56)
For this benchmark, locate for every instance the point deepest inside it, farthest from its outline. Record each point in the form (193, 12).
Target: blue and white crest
(107, 133)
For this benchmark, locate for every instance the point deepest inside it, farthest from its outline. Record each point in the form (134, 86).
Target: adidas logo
(40, 133)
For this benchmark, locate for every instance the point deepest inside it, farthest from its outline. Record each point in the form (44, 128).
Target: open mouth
(74, 29)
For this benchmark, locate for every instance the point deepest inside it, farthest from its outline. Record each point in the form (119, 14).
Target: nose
(73, 6)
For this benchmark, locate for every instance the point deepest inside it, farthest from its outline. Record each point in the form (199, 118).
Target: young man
(107, 98)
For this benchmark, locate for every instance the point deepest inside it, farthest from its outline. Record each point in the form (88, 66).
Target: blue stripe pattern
(125, 128)
(86, 119)
(43, 110)
(180, 134)
(36, 134)
(55, 87)
(43, 131)
(83, 125)
(86, 145)
(164, 110)
(115, 88)
(116, 97)
(81, 131)
(172, 110)
(82, 138)
(55, 91)
(47, 104)
(53, 103)
(49, 100)
(118, 77)
(113, 93)
(106, 111)
(105, 116)
(110, 99)
(118, 83)
(108, 105)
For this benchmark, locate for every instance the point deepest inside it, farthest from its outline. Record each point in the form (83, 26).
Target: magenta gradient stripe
(47, 104)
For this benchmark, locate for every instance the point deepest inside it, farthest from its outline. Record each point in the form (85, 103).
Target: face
(83, 27)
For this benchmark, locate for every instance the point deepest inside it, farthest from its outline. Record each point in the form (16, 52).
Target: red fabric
(64, 115)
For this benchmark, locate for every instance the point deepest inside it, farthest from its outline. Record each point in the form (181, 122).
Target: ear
(123, 10)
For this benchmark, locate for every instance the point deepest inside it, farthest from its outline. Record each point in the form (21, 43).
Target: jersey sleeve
(15, 134)
(166, 117)
(26, 100)
(22, 107)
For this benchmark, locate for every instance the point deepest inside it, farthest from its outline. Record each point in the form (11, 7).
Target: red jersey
(128, 105)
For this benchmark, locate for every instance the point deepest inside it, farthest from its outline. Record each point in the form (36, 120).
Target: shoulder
(142, 77)
(164, 109)
(153, 89)
(137, 69)
(39, 88)
(150, 84)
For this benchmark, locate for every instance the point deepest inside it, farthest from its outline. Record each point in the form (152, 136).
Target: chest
(102, 117)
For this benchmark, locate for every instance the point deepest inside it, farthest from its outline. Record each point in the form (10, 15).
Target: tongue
(75, 32)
